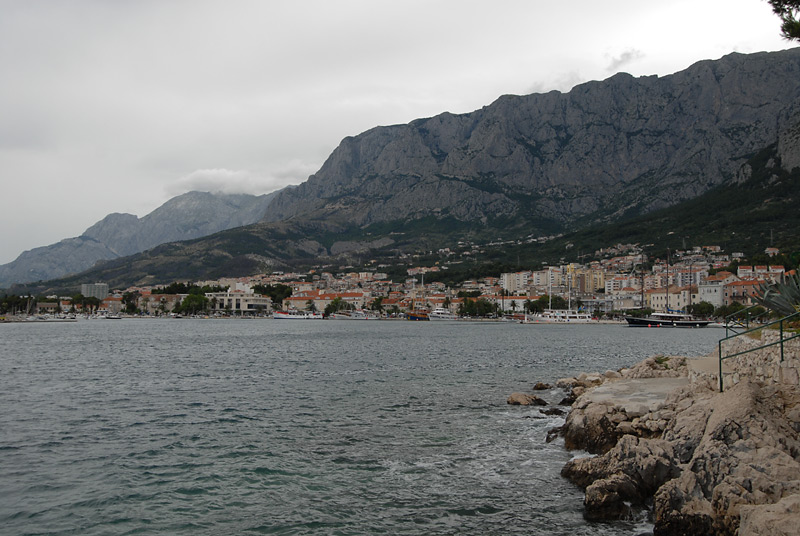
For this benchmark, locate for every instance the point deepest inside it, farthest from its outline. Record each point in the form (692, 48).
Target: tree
(277, 293)
(789, 13)
(704, 309)
(192, 304)
(726, 310)
(92, 303)
(479, 307)
(78, 299)
(131, 299)
(529, 306)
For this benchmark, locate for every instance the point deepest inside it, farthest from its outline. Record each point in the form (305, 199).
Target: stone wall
(762, 365)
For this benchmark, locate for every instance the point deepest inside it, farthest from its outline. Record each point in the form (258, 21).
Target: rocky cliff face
(68, 256)
(624, 145)
(188, 216)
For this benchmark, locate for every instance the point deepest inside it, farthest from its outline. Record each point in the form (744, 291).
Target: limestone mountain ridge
(605, 149)
(184, 217)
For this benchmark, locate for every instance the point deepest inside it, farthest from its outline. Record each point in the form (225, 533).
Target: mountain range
(187, 216)
(524, 166)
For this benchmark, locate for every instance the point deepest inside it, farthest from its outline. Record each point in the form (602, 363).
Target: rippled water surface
(292, 427)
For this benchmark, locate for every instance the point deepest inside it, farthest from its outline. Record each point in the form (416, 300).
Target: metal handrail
(746, 325)
(780, 341)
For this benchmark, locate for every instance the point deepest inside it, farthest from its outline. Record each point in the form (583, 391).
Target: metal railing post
(780, 342)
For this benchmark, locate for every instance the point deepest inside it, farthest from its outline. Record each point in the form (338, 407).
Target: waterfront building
(741, 292)
(155, 304)
(239, 302)
(43, 307)
(112, 305)
(670, 299)
(95, 290)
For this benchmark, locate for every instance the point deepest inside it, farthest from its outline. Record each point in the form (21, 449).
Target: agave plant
(781, 297)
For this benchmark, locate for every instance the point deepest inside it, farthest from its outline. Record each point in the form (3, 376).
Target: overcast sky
(117, 106)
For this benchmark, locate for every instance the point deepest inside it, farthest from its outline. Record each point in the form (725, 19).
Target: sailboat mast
(667, 281)
(641, 274)
(569, 290)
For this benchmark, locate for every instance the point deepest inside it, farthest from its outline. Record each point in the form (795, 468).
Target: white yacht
(440, 313)
(296, 315)
(560, 316)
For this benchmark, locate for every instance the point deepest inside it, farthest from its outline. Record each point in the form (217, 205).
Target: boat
(297, 315)
(559, 316)
(418, 314)
(350, 315)
(667, 320)
(441, 313)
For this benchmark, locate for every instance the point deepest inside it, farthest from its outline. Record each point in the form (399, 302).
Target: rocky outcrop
(605, 148)
(746, 452)
(708, 462)
(522, 399)
(597, 421)
(187, 216)
(629, 474)
(789, 145)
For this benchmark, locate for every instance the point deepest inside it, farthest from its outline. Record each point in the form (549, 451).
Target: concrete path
(637, 396)
(708, 365)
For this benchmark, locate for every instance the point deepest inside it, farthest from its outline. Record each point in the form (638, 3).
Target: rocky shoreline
(666, 440)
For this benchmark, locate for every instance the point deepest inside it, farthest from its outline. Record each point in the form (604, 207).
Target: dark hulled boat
(666, 320)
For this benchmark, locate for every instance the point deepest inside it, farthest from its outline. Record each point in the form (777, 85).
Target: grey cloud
(625, 58)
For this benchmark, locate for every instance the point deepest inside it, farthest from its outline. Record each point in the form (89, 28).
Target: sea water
(198, 426)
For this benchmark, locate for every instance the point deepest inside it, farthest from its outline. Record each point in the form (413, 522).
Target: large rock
(748, 454)
(630, 473)
(591, 428)
(714, 463)
(522, 399)
(779, 519)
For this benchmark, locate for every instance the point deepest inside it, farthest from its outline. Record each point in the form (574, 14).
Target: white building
(95, 290)
(239, 302)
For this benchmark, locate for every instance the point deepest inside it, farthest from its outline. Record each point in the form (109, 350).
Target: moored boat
(417, 315)
(350, 315)
(667, 320)
(297, 315)
(440, 313)
(559, 316)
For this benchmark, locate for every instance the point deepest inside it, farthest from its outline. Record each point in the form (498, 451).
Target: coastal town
(702, 280)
